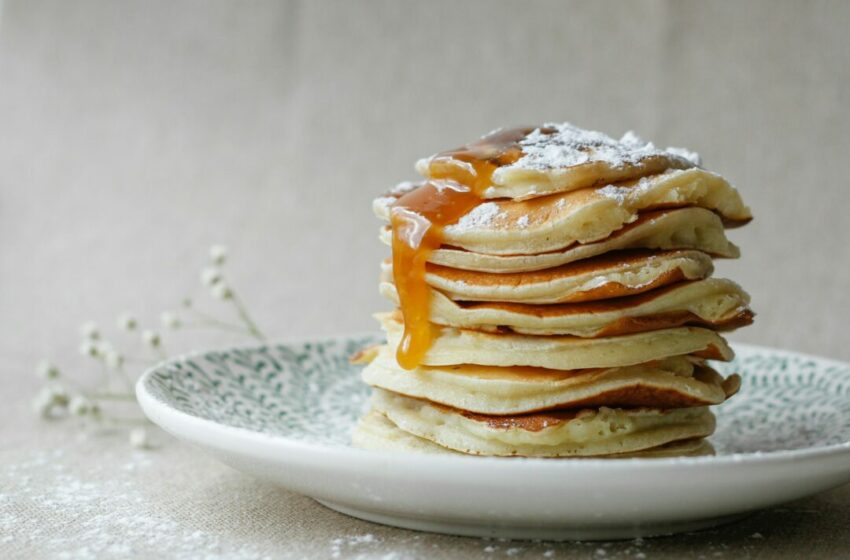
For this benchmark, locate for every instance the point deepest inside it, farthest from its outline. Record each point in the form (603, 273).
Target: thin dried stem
(253, 329)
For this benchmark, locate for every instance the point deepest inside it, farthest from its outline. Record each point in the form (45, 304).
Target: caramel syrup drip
(457, 181)
(417, 220)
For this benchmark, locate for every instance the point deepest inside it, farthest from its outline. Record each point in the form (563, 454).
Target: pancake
(365, 355)
(680, 228)
(376, 432)
(554, 222)
(607, 276)
(589, 432)
(554, 158)
(671, 383)
(713, 302)
(452, 346)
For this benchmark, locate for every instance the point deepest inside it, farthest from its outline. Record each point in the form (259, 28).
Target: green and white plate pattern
(285, 413)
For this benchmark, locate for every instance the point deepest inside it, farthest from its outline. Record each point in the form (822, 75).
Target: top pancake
(556, 157)
(551, 223)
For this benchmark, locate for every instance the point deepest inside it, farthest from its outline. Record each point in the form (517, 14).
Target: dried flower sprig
(64, 397)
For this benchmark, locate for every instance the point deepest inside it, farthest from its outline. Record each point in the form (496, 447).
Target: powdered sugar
(570, 145)
(522, 221)
(621, 193)
(383, 202)
(614, 192)
(404, 187)
(368, 546)
(103, 514)
(685, 153)
(345, 546)
(480, 216)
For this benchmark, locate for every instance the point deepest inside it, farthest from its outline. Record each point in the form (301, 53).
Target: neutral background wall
(134, 134)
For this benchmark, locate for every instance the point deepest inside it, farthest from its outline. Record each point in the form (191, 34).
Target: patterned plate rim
(162, 413)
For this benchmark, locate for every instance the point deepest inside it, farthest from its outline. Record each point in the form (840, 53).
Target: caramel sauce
(457, 181)
(473, 165)
(417, 220)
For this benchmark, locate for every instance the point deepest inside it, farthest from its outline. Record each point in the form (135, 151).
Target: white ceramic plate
(284, 413)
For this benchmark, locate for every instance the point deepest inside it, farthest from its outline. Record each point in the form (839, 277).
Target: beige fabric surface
(97, 499)
(134, 134)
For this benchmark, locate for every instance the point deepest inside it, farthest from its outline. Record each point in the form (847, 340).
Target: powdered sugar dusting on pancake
(405, 187)
(569, 146)
(480, 216)
(685, 153)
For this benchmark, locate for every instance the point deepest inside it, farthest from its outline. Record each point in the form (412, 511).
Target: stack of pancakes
(554, 299)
